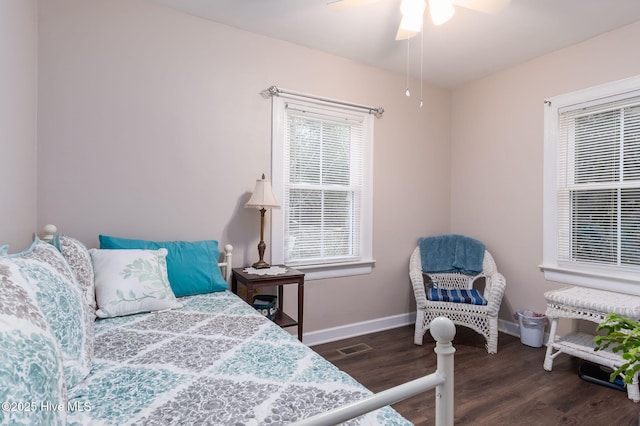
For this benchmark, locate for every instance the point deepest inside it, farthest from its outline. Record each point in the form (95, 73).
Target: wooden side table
(253, 281)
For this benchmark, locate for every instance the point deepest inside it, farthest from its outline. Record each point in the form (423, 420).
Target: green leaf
(622, 335)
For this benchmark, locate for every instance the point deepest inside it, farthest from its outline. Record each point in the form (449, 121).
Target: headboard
(49, 231)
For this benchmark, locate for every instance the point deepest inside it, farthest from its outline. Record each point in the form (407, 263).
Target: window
(322, 173)
(592, 187)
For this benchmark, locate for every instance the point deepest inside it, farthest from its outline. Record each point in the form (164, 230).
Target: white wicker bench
(591, 305)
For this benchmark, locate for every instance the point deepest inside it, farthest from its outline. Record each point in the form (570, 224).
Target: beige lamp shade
(262, 197)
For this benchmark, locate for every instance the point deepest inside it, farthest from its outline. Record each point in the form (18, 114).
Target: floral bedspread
(216, 361)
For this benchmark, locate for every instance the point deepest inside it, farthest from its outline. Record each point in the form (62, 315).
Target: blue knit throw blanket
(451, 253)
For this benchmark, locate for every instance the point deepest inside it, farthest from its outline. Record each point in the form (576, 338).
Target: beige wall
(151, 125)
(18, 98)
(497, 153)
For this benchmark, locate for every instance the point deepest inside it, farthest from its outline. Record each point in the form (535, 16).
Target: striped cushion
(472, 296)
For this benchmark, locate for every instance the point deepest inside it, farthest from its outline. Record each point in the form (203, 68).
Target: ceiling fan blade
(412, 18)
(486, 6)
(347, 4)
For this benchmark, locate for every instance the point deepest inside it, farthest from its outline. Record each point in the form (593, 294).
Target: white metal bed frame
(443, 331)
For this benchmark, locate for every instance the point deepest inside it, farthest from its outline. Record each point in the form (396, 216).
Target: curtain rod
(276, 91)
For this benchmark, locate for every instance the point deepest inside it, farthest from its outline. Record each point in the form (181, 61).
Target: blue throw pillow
(457, 296)
(192, 266)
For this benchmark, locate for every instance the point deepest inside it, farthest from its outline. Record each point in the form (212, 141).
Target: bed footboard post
(443, 331)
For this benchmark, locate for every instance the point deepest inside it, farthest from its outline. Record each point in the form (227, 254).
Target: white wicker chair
(481, 318)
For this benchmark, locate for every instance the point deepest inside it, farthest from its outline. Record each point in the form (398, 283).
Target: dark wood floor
(508, 388)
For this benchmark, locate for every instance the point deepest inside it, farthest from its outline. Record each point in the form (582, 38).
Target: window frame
(621, 279)
(365, 262)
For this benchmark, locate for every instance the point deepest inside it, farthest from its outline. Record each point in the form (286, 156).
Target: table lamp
(263, 199)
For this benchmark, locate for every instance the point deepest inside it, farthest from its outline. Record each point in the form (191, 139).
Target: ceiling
(471, 45)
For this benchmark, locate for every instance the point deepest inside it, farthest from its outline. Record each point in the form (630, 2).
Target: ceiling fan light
(412, 13)
(441, 11)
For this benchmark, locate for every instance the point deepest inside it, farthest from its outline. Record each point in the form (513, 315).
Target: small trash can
(266, 305)
(532, 326)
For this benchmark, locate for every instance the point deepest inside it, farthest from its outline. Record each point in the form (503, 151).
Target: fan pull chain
(407, 92)
(421, 65)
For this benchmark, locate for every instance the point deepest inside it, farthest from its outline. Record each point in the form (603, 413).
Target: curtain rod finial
(270, 91)
(377, 112)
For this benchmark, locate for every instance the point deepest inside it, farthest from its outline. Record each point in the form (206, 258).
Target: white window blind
(322, 171)
(323, 181)
(592, 187)
(599, 184)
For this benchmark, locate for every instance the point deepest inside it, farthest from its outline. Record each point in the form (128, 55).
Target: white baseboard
(380, 324)
(358, 329)
(508, 327)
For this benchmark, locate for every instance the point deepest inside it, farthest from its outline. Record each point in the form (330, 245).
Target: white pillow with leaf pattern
(131, 281)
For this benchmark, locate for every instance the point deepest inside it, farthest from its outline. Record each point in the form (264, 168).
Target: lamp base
(261, 264)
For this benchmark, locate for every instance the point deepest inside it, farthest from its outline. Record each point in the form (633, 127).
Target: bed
(216, 360)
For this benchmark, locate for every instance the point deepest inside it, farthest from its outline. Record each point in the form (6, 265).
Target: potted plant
(622, 335)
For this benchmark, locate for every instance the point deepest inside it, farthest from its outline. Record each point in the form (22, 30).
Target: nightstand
(253, 281)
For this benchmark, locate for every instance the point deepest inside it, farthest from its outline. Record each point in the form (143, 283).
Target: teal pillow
(192, 266)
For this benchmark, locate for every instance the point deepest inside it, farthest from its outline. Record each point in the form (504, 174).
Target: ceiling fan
(413, 10)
